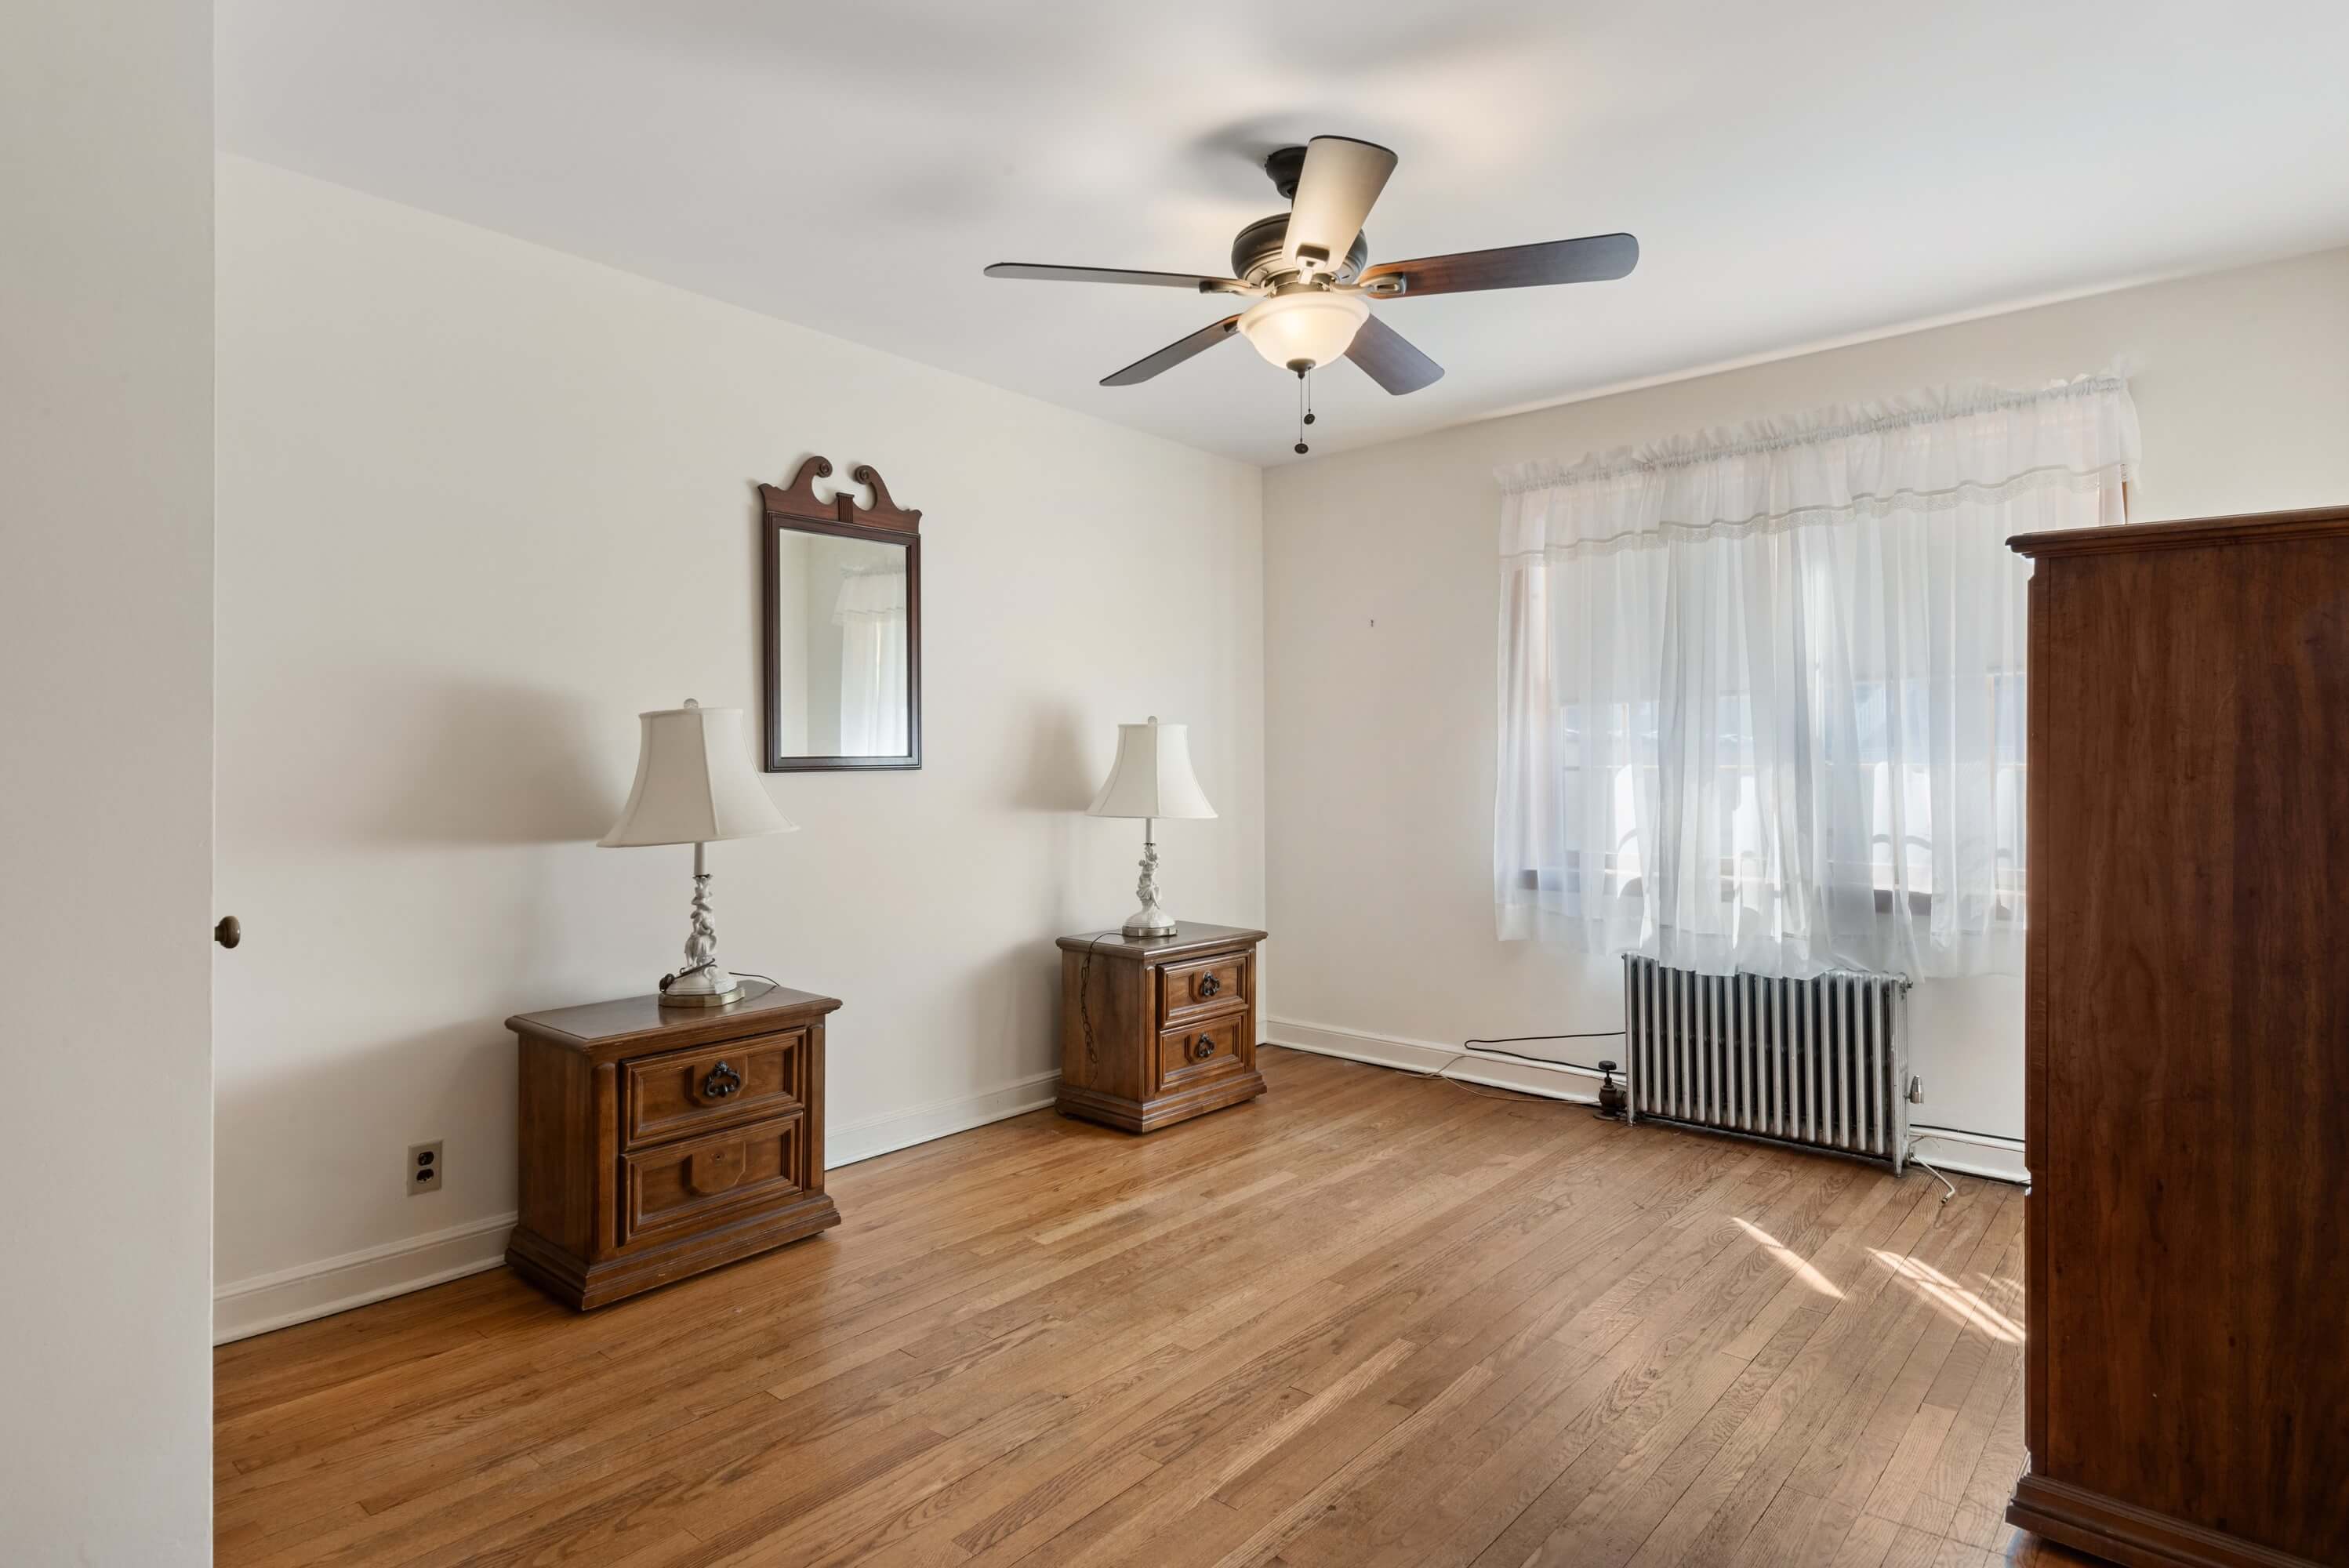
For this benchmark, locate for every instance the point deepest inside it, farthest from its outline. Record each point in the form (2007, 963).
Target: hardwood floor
(1367, 1319)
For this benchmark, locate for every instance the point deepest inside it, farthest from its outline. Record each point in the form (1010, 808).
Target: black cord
(669, 980)
(1084, 994)
(1521, 1039)
(1969, 1131)
(1547, 1061)
(1914, 1126)
(1444, 1070)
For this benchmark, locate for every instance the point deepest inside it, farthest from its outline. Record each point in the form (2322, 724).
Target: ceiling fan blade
(1045, 273)
(1587, 261)
(1341, 180)
(1175, 353)
(1393, 360)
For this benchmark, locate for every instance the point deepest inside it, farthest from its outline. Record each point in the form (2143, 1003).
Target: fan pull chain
(1304, 408)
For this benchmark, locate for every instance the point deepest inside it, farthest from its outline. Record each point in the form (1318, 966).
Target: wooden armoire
(2186, 1361)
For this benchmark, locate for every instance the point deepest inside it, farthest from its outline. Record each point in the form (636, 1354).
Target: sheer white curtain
(1761, 695)
(871, 615)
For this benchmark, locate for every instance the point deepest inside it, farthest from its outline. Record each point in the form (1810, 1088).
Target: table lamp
(1151, 778)
(695, 786)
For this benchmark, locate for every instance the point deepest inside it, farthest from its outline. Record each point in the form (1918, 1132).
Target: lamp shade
(1153, 775)
(694, 782)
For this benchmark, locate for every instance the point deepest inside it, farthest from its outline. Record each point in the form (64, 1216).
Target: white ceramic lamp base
(701, 983)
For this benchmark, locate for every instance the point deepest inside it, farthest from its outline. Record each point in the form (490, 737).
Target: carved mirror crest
(843, 649)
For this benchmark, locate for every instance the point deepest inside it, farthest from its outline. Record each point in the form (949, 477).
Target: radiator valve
(1611, 1093)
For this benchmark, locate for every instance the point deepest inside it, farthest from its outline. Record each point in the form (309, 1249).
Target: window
(1787, 736)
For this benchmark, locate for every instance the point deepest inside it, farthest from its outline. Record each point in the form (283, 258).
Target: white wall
(1380, 603)
(105, 644)
(481, 502)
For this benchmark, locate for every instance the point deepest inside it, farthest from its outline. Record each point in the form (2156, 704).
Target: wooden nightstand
(1158, 1029)
(656, 1143)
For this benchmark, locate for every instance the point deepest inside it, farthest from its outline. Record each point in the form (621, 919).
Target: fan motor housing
(1258, 258)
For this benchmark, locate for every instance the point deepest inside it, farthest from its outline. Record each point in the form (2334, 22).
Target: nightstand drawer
(1203, 988)
(1210, 1049)
(686, 1184)
(687, 1092)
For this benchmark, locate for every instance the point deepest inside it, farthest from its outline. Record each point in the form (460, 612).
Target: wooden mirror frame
(797, 507)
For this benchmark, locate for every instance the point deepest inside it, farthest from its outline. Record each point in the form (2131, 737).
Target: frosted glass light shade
(1310, 327)
(694, 783)
(1152, 776)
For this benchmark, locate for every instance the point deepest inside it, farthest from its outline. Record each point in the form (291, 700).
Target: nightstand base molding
(559, 1275)
(2136, 1536)
(1149, 1116)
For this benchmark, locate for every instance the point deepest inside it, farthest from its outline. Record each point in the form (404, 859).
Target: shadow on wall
(1056, 784)
(502, 765)
(1015, 1006)
(1057, 778)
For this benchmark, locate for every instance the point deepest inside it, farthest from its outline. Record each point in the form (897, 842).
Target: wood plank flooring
(1367, 1319)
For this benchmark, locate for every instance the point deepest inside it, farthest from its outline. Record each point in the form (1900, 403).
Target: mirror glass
(841, 644)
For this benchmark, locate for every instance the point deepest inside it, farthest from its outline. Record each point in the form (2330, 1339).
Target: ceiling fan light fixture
(1305, 328)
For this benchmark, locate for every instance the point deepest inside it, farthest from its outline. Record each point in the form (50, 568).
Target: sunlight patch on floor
(1952, 1297)
(1796, 1265)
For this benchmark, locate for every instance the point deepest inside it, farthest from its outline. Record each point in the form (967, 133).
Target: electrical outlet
(424, 1167)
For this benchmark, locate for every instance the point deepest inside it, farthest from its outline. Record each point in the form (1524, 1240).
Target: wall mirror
(844, 626)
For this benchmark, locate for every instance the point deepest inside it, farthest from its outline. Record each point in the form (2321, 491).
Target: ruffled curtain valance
(1928, 452)
(1761, 693)
(870, 595)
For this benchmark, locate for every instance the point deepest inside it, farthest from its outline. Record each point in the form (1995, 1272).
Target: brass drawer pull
(723, 1080)
(1203, 1047)
(1209, 985)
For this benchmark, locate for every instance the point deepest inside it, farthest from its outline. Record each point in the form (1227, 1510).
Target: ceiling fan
(1306, 270)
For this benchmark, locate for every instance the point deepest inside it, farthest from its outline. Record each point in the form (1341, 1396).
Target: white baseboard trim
(1973, 1154)
(264, 1302)
(245, 1307)
(846, 1143)
(2000, 1158)
(1551, 1082)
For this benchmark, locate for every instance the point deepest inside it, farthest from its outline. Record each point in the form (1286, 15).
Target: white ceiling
(1794, 173)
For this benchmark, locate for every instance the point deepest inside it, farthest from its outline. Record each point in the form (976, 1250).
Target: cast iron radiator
(1822, 1062)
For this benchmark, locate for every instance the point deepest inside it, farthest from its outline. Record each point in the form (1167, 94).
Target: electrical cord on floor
(1949, 1188)
(1918, 1130)
(1967, 1131)
(1547, 1061)
(1469, 1049)
(1444, 1071)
